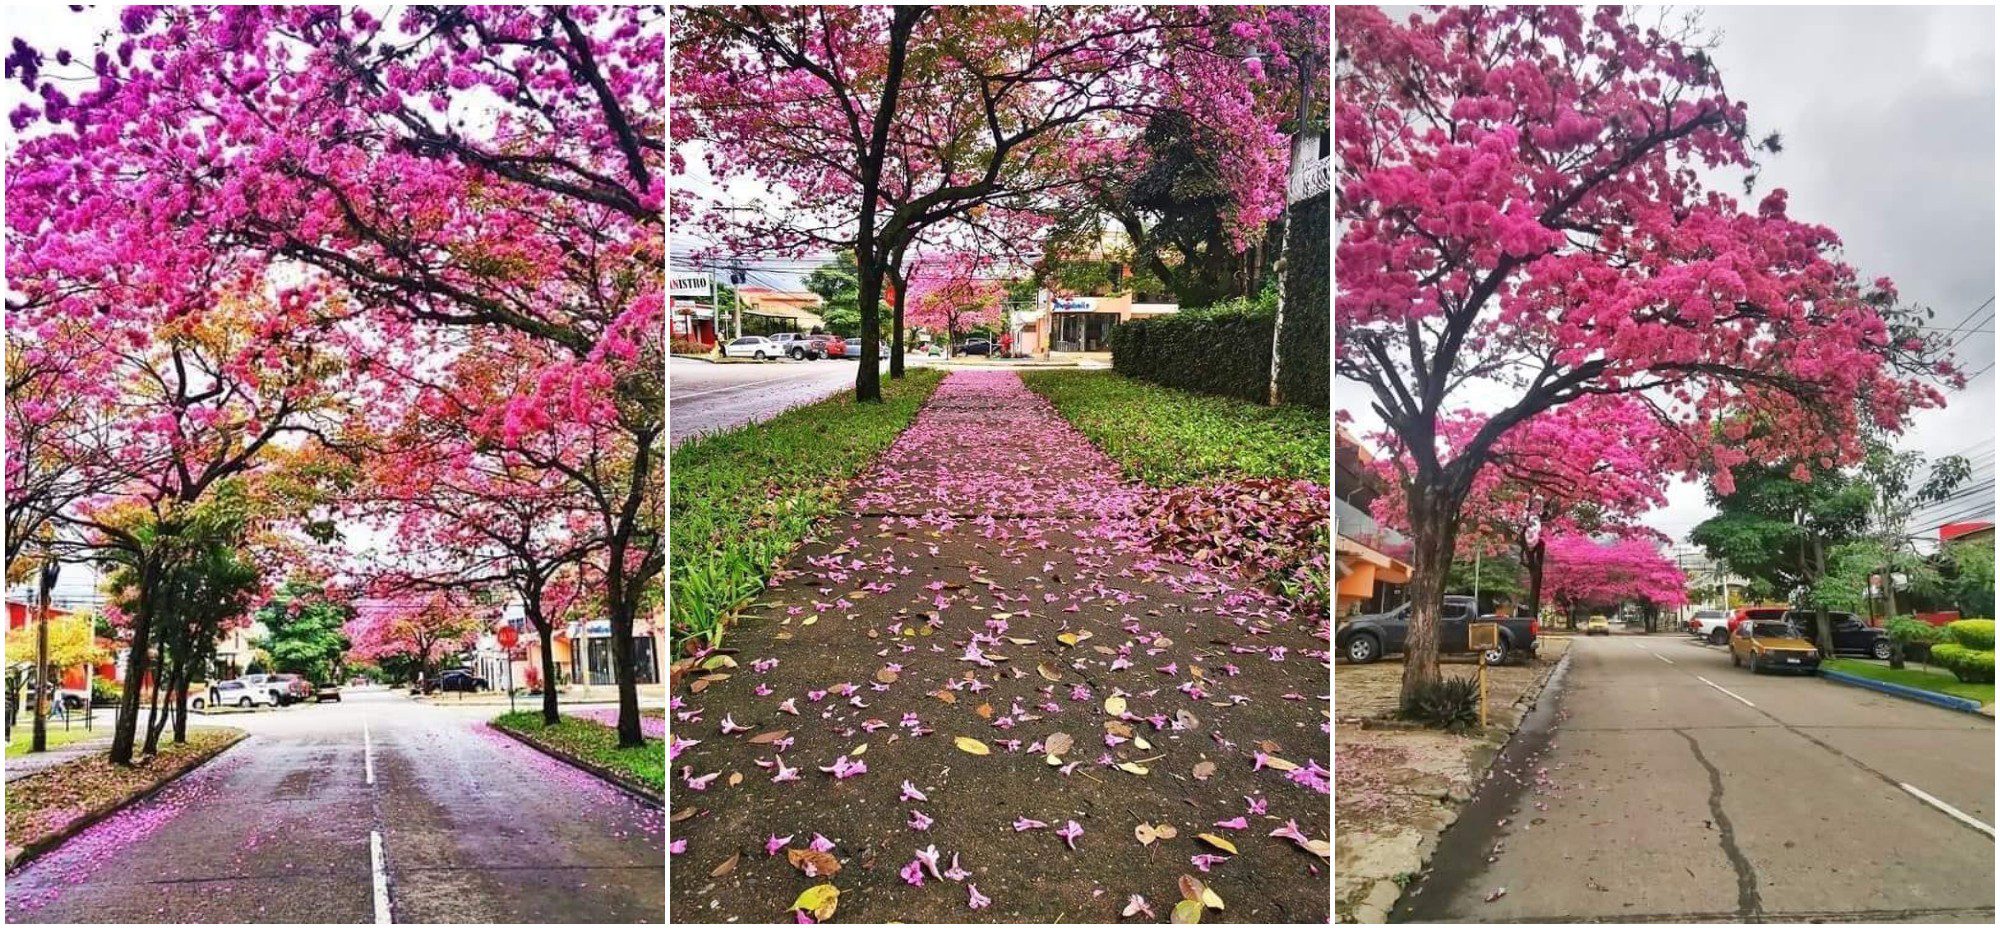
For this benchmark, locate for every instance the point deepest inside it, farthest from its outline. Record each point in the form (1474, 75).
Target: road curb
(18, 856)
(1933, 698)
(635, 791)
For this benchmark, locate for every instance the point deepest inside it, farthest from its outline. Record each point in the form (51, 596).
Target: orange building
(1368, 557)
(77, 678)
(1065, 324)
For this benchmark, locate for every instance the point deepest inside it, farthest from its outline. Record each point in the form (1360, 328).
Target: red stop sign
(508, 637)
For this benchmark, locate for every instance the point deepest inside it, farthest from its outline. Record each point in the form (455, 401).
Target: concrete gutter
(1920, 695)
(20, 855)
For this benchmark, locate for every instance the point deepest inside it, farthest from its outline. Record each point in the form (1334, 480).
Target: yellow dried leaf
(1048, 672)
(718, 661)
(1114, 705)
(971, 746)
(1131, 767)
(1210, 899)
(1068, 638)
(1218, 841)
(1281, 764)
(1187, 913)
(1141, 744)
(819, 900)
(807, 622)
(735, 778)
(858, 751)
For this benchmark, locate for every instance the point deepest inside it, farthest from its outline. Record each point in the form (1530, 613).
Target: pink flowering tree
(1522, 219)
(1584, 572)
(480, 169)
(1589, 467)
(419, 628)
(467, 512)
(954, 292)
(874, 124)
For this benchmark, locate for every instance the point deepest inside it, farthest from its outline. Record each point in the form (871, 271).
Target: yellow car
(1772, 645)
(1597, 625)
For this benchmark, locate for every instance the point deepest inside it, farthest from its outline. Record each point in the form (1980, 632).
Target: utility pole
(50, 569)
(736, 279)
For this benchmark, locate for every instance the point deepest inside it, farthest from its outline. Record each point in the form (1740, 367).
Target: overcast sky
(1887, 120)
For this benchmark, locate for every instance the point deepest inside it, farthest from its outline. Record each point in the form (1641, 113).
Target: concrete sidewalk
(995, 592)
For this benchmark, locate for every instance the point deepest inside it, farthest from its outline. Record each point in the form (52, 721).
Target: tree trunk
(868, 377)
(125, 732)
(547, 633)
(1434, 532)
(897, 276)
(1534, 558)
(156, 719)
(621, 608)
(1822, 623)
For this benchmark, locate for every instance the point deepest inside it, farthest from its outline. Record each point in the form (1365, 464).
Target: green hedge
(1303, 376)
(1223, 350)
(1968, 665)
(1975, 634)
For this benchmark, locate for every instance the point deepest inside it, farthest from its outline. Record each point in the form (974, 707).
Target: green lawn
(1913, 675)
(24, 735)
(593, 742)
(1168, 438)
(743, 499)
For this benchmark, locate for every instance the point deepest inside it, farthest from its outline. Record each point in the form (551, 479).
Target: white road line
(1949, 810)
(381, 879)
(367, 752)
(1724, 690)
(1664, 658)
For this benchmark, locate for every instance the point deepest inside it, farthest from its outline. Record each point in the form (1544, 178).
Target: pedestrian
(1006, 345)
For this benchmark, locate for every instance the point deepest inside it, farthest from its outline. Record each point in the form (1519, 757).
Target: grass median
(54, 802)
(595, 744)
(24, 735)
(1171, 438)
(1935, 681)
(743, 499)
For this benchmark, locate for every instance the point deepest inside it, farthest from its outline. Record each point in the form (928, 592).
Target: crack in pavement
(1914, 914)
(1747, 901)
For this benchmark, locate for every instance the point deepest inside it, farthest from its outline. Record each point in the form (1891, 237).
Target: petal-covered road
(985, 699)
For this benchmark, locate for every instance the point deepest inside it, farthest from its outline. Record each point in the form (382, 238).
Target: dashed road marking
(382, 917)
(1664, 658)
(1949, 810)
(367, 752)
(1725, 690)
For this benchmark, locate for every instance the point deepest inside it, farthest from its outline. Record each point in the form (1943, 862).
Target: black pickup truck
(1367, 638)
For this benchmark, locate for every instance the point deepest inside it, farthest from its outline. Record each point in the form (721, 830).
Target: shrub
(104, 692)
(1449, 703)
(1975, 634)
(688, 347)
(1970, 666)
(1224, 349)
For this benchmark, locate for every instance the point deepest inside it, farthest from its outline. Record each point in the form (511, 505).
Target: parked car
(974, 347)
(241, 693)
(460, 680)
(1597, 625)
(1851, 636)
(834, 346)
(297, 689)
(280, 693)
(1774, 645)
(1746, 614)
(1367, 638)
(327, 691)
(799, 346)
(1704, 620)
(752, 346)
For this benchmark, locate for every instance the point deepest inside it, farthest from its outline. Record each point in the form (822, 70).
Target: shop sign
(1075, 304)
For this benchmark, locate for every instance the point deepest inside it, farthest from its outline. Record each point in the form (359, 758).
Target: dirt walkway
(993, 592)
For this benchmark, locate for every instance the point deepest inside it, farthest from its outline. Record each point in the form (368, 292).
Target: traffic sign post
(509, 637)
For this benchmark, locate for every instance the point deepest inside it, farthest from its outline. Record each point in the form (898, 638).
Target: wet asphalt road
(704, 397)
(375, 809)
(1658, 796)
